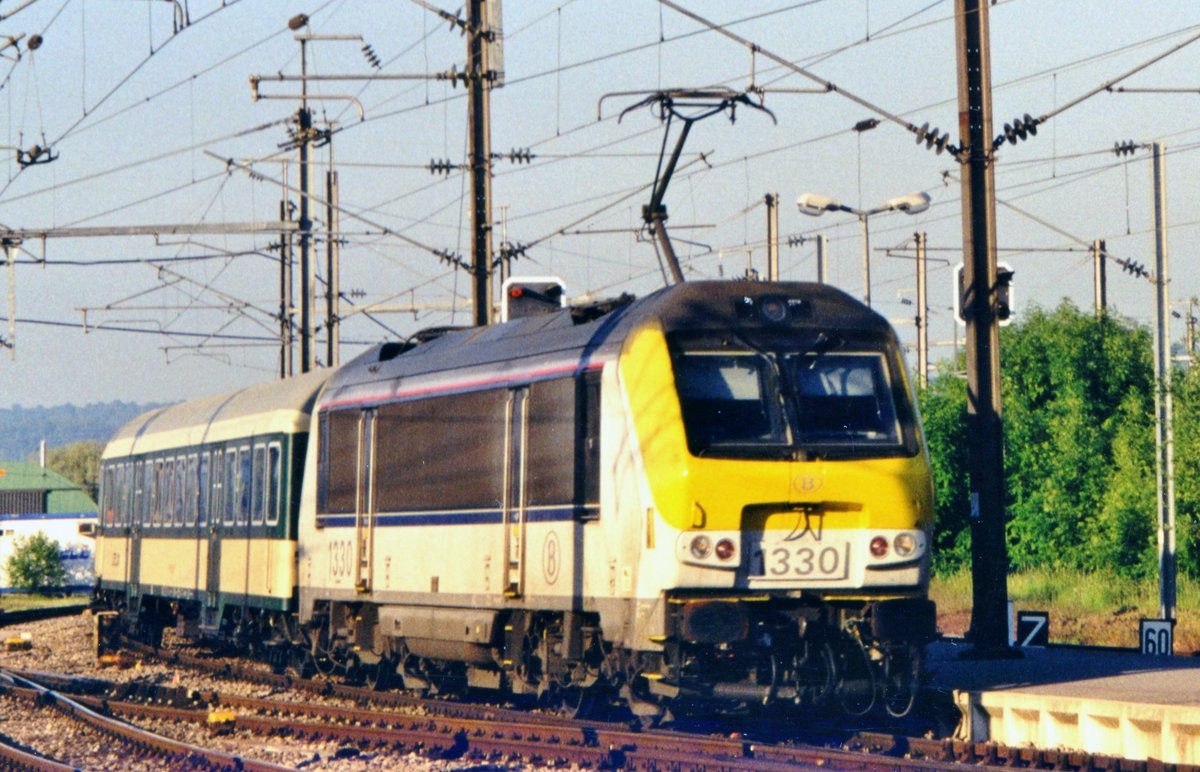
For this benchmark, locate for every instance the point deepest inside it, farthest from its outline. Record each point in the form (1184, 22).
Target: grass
(1090, 608)
(19, 601)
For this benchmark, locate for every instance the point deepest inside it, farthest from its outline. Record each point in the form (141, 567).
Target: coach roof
(265, 408)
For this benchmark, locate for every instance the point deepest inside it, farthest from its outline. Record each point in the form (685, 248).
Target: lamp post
(814, 205)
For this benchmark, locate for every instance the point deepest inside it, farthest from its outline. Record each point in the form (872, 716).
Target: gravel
(65, 646)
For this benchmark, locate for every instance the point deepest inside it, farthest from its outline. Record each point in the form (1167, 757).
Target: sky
(147, 109)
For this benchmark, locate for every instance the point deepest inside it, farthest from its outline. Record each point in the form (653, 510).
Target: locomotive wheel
(324, 665)
(817, 675)
(569, 701)
(380, 675)
(301, 664)
(900, 684)
(856, 686)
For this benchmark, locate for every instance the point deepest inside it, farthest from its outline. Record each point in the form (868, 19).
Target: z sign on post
(1033, 628)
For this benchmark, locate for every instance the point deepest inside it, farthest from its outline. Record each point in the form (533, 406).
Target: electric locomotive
(715, 496)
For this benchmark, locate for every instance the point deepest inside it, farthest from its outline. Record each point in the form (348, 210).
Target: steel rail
(168, 748)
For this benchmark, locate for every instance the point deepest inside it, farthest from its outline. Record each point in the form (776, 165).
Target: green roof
(62, 495)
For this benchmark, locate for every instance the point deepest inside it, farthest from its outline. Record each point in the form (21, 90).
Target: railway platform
(1102, 701)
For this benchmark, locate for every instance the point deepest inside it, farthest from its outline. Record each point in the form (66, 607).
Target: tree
(36, 564)
(943, 410)
(1078, 445)
(79, 462)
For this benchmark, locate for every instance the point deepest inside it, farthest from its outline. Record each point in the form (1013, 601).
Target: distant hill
(22, 428)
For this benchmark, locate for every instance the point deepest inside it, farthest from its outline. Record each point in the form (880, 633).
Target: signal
(531, 296)
(1004, 294)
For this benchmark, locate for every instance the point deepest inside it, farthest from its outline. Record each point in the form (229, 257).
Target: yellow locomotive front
(781, 445)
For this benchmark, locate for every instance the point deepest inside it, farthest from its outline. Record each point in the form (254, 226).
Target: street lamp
(814, 205)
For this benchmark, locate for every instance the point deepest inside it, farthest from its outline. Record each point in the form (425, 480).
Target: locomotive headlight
(905, 544)
(773, 309)
(726, 549)
(879, 547)
(701, 547)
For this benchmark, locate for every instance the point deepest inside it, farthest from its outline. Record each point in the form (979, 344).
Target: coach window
(180, 489)
(173, 515)
(121, 490)
(109, 496)
(113, 495)
(258, 497)
(202, 495)
(244, 483)
(163, 492)
(117, 502)
(192, 490)
(143, 478)
(216, 504)
(167, 505)
(158, 494)
(274, 454)
(135, 512)
(230, 492)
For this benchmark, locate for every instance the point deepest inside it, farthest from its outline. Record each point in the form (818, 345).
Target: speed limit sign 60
(1155, 637)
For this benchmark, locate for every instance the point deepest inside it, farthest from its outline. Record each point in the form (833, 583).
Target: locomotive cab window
(843, 398)
(728, 398)
(778, 397)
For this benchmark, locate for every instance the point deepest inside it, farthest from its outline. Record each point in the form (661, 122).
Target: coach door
(514, 495)
(138, 511)
(364, 519)
(216, 512)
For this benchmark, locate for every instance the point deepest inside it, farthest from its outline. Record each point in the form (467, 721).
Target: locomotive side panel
(469, 499)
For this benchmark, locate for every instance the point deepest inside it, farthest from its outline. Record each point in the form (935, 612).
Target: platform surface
(1108, 702)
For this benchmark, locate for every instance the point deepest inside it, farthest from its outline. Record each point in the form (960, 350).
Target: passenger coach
(199, 511)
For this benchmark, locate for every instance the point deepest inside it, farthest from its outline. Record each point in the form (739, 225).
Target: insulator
(371, 57)
(921, 132)
(1031, 124)
(450, 258)
(1124, 148)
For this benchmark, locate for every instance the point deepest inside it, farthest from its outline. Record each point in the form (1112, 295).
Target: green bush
(36, 564)
(1079, 453)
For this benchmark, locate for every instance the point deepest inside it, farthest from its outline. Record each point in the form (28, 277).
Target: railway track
(139, 743)
(532, 740)
(614, 744)
(369, 724)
